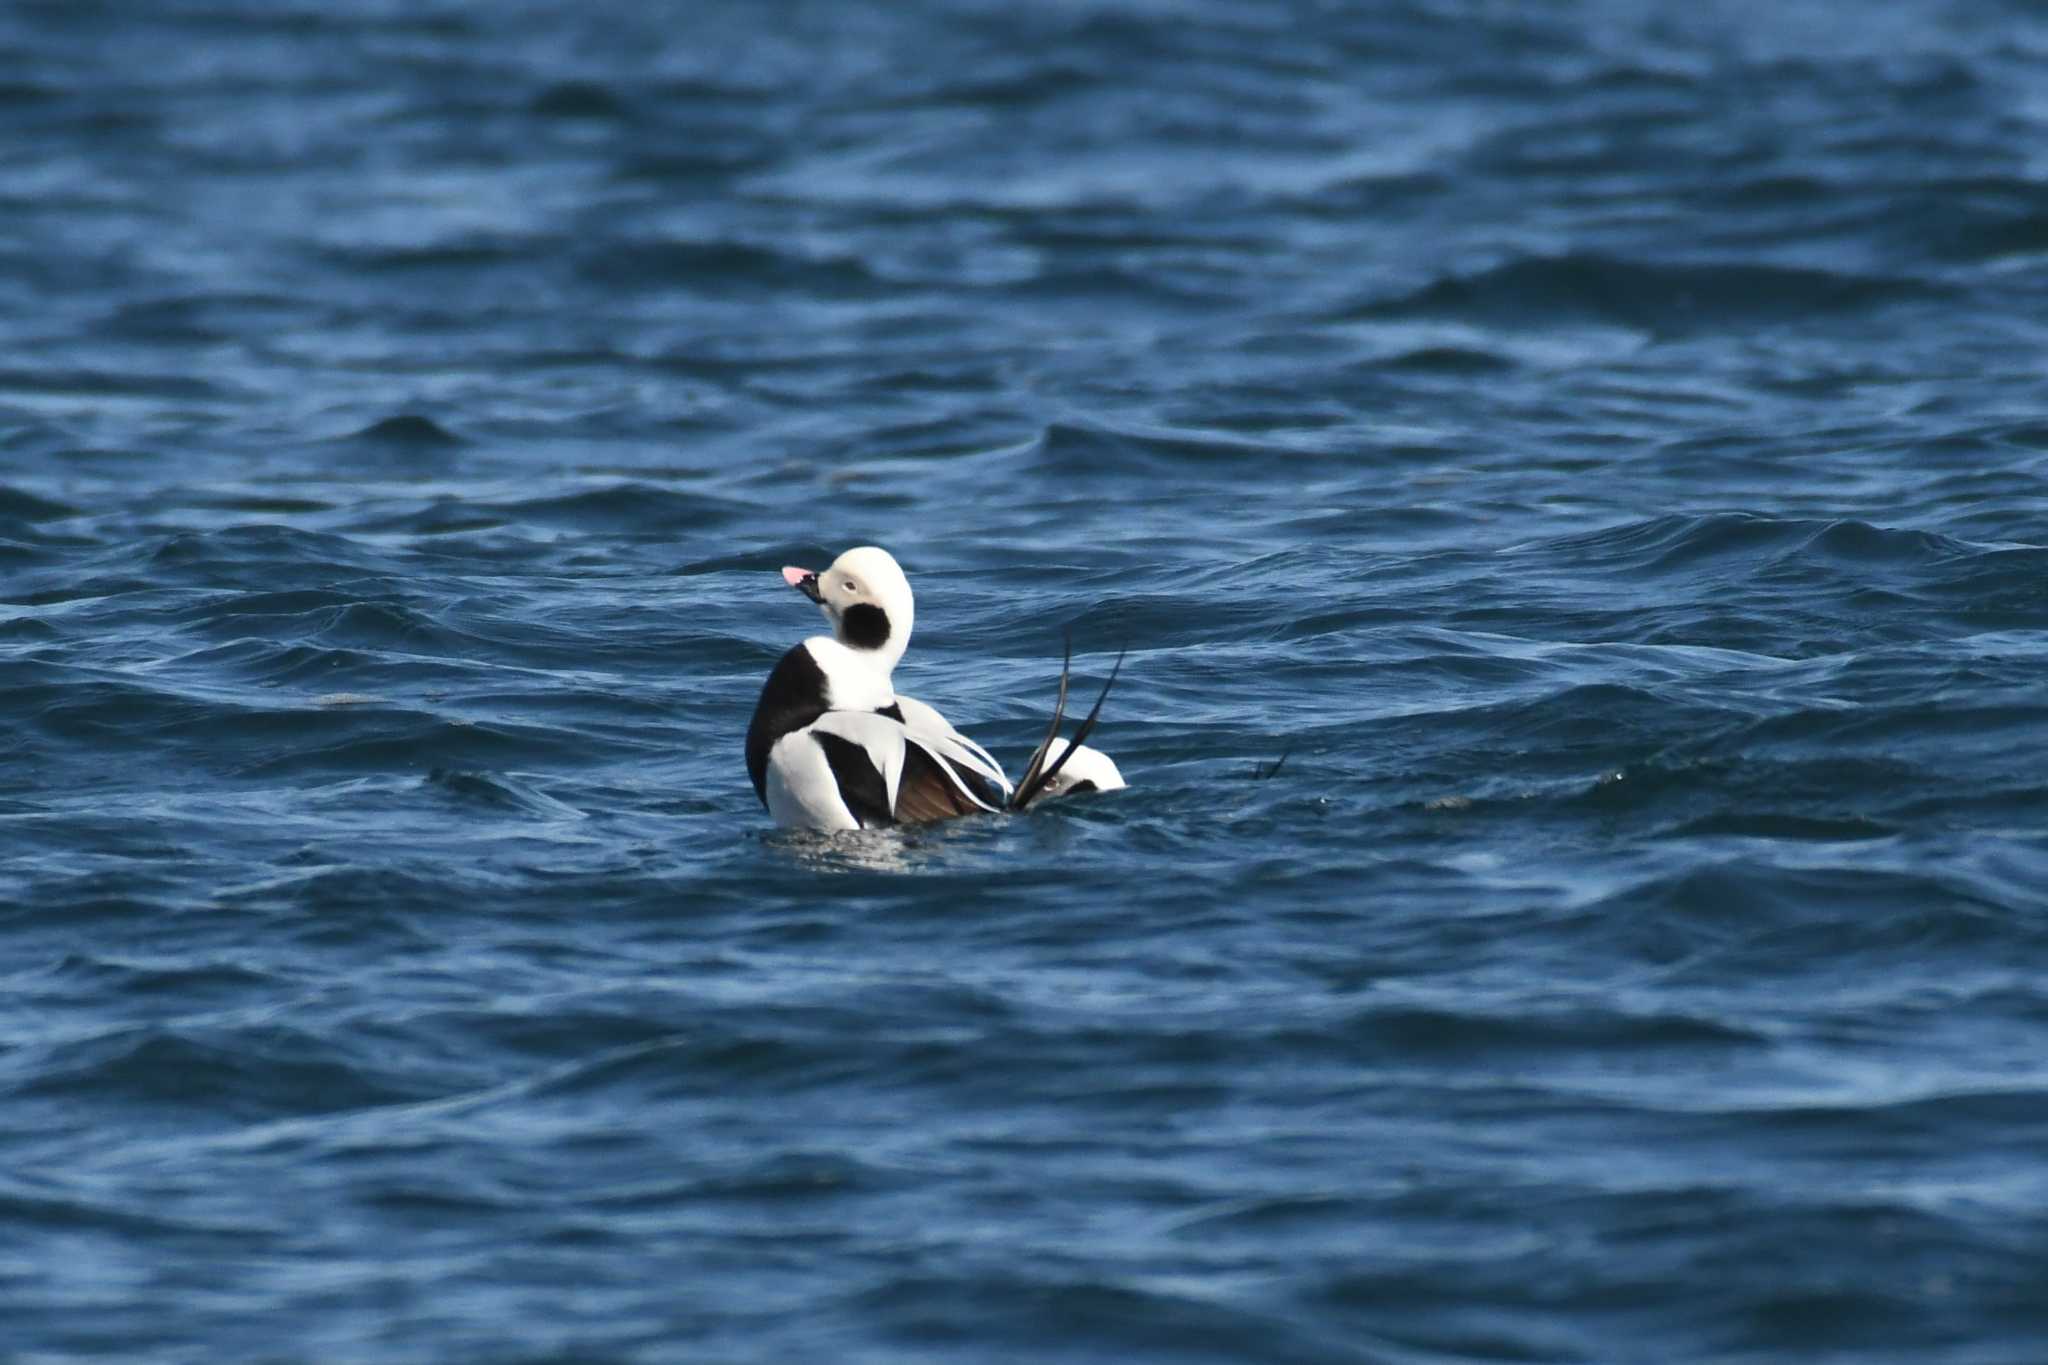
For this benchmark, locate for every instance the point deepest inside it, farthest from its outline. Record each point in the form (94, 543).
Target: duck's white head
(1089, 770)
(866, 598)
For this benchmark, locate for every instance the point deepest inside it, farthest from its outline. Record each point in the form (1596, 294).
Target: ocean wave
(1661, 298)
(1568, 483)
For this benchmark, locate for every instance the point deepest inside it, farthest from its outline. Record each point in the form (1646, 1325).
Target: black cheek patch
(866, 626)
(1086, 784)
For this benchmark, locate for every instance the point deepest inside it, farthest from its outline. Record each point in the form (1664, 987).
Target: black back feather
(792, 698)
(861, 785)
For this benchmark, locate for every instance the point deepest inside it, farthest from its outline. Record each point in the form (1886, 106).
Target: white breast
(852, 681)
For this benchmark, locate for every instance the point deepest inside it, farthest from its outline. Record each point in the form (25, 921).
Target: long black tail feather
(1059, 713)
(1035, 779)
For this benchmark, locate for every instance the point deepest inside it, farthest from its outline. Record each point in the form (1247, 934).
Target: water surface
(1605, 451)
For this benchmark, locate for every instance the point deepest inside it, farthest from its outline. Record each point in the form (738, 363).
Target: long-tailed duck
(1089, 770)
(834, 746)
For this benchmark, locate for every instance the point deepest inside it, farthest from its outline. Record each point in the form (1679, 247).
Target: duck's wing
(886, 775)
(843, 757)
(970, 760)
(933, 789)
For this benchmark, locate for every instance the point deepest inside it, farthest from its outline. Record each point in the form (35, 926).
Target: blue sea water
(1603, 447)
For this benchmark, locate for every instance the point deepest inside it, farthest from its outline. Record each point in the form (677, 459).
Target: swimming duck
(1089, 770)
(834, 746)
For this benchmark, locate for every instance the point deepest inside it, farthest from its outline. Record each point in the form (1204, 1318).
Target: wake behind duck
(833, 745)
